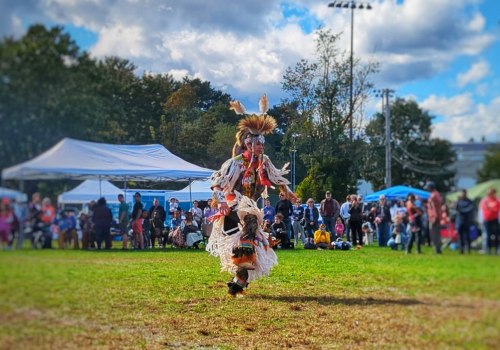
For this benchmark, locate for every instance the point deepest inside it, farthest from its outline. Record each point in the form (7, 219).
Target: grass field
(372, 298)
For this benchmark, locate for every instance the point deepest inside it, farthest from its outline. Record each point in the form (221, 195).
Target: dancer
(237, 237)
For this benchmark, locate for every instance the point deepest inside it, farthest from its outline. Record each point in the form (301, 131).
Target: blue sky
(442, 53)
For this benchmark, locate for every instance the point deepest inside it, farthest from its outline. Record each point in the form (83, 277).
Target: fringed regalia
(237, 238)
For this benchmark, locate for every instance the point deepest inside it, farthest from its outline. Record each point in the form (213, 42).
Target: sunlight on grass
(177, 298)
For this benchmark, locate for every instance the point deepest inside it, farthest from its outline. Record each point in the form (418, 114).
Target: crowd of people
(401, 225)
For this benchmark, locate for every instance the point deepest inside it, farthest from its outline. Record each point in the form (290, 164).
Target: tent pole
(190, 195)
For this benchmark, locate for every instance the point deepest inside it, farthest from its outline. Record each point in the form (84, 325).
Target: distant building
(470, 158)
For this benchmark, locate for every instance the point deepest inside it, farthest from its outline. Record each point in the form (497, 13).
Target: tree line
(51, 89)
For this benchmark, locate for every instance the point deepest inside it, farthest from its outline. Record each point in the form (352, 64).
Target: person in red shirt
(490, 208)
(434, 209)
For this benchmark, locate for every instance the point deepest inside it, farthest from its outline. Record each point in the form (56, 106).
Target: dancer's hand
(224, 208)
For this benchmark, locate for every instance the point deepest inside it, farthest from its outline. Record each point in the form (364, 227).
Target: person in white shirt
(344, 214)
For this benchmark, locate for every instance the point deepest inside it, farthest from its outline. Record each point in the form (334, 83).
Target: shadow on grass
(332, 300)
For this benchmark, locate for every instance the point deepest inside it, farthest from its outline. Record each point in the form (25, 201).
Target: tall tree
(491, 167)
(416, 156)
(320, 92)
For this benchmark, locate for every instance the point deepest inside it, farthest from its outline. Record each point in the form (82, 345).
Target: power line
(420, 160)
(417, 169)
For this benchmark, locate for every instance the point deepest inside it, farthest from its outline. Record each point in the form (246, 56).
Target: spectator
(383, 220)
(464, 209)
(157, 215)
(311, 217)
(21, 212)
(191, 231)
(367, 233)
(414, 224)
(298, 222)
(123, 220)
(355, 222)
(398, 230)
(490, 208)
(284, 207)
(434, 211)
(102, 223)
(85, 225)
(329, 210)
(339, 228)
(146, 229)
(344, 214)
(173, 206)
(47, 216)
(67, 230)
(6, 222)
(322, 237)
(209, 210)
(268, 211)
(280, 231)
(197, 213)
(137, 222)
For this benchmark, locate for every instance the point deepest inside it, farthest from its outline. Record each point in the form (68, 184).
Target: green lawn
(372, 298)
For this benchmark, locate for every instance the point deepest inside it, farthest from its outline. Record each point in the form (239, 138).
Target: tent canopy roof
(396, 193)
(77, 159)
(90, 190)
(476, 192)
(200, 190)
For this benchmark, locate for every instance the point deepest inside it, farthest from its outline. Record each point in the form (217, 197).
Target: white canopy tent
(199, 190)
(75, 159)
(90, 190)
(13, 194)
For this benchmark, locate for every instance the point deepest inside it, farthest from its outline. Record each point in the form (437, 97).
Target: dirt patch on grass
(261, 321)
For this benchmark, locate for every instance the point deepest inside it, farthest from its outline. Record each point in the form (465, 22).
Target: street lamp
(353, 5)
(294, 163)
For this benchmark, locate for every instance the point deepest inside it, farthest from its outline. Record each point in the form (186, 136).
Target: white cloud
(477, 71)
(460, 119)
(244, 47)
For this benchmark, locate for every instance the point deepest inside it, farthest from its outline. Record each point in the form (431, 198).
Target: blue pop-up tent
(397, 192)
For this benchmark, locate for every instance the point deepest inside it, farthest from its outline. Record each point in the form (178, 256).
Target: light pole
(386, 106)
(353, 5)
(294, 152)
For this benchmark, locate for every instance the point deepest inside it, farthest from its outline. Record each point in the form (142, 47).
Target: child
(367, 233)
(398, 231)
(339, 228)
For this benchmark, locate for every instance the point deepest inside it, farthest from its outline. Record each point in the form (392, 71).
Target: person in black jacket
(465, 211)
(102, 223)
(355, 222)
(157, 216)
(285, 207)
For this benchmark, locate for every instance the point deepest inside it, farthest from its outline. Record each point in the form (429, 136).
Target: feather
(263, 104)
(237, 107)
(257, 124)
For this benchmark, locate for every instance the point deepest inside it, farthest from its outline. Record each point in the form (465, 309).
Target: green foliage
(50, 90)
(319, 108)
(491, 167)
(417, 157)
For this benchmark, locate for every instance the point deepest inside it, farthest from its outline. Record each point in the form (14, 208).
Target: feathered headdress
(253, 126)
